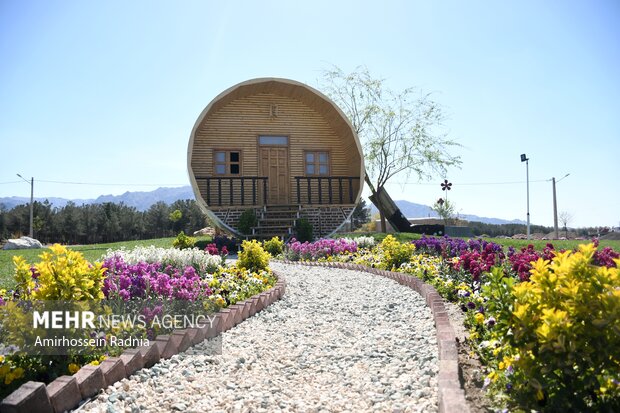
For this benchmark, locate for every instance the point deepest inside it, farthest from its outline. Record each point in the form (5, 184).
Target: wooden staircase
(276, 221)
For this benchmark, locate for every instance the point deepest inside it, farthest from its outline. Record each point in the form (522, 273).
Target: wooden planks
(238, 123)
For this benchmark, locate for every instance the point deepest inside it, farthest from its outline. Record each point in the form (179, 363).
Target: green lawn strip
(379, 236)
(557, 244)
(505, 242)
(91, 253)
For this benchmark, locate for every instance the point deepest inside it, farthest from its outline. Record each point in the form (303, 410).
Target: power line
(107, 183)
(183, 184)
(472, 183)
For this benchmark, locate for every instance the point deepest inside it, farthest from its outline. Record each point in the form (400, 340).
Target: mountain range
(143, 200)
(413, 210)
(139, 199)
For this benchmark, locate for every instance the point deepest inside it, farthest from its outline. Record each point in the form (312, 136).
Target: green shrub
(303, 230)
(201, 244)
(62, 274)
(253, 257)
(182, 241)
(274, 246)
(559, 334)
(394, 253)
(247, 221)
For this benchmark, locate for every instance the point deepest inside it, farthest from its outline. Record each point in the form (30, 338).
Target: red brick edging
(66, 392)
(451, 393)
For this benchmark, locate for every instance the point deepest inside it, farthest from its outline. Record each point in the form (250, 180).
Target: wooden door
(274, 165)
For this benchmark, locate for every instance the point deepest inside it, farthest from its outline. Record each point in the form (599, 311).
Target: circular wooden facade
(279, 147)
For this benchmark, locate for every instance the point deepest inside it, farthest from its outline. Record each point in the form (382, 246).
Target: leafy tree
(187, 222)
(360, 215)
(401, 132)
(3, 217)
(174, 217)
(157, 222)
(95, 223)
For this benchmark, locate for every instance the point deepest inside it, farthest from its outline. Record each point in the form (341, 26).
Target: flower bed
(322, 248)
(130, 276)
(546, 324)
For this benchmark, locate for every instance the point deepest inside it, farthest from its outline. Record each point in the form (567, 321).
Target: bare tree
(401, 132)
(565, 219)
(446, 211)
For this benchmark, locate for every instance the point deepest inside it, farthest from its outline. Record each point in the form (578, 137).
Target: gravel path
(339, 340)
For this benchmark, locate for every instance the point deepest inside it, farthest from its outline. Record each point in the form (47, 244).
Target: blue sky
(108, 92)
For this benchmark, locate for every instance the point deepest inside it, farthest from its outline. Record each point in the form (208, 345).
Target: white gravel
(338, 341)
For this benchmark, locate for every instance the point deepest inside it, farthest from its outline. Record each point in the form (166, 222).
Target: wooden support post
(208, 191)
(329, 188)
(219, 191)
(242, 192)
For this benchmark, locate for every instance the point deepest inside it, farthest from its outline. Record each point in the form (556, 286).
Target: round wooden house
(280, 148)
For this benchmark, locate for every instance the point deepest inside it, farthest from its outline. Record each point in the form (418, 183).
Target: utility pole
(555, 208)
(31, 233)
(555, 212)
(525, 159)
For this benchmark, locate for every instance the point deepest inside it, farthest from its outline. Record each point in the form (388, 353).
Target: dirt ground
(470, 370)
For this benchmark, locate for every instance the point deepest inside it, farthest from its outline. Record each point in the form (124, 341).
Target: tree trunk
(383, 225)
(374, 192)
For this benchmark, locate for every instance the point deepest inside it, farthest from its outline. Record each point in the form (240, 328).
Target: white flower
(487, 381)
(365, 242)
(203, 262)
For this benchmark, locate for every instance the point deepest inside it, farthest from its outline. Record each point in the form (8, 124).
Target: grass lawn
(557, 244)
(400, 236)
(506, 242)
(91, 253)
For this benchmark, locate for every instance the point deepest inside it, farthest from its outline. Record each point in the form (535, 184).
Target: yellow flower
(94, 363)
(73, 368)
(18, 373)
(479, 317)
(8, 379)
(1, 359)
(492, 376)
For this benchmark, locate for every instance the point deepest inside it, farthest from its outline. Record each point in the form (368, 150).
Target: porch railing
(233, 190)
(326, 189)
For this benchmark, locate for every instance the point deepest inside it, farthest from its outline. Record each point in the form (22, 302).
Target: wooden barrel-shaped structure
(280, 148)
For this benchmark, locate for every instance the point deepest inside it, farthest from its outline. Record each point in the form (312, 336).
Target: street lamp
(555, 207)
(31, 235)
(525, 159)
